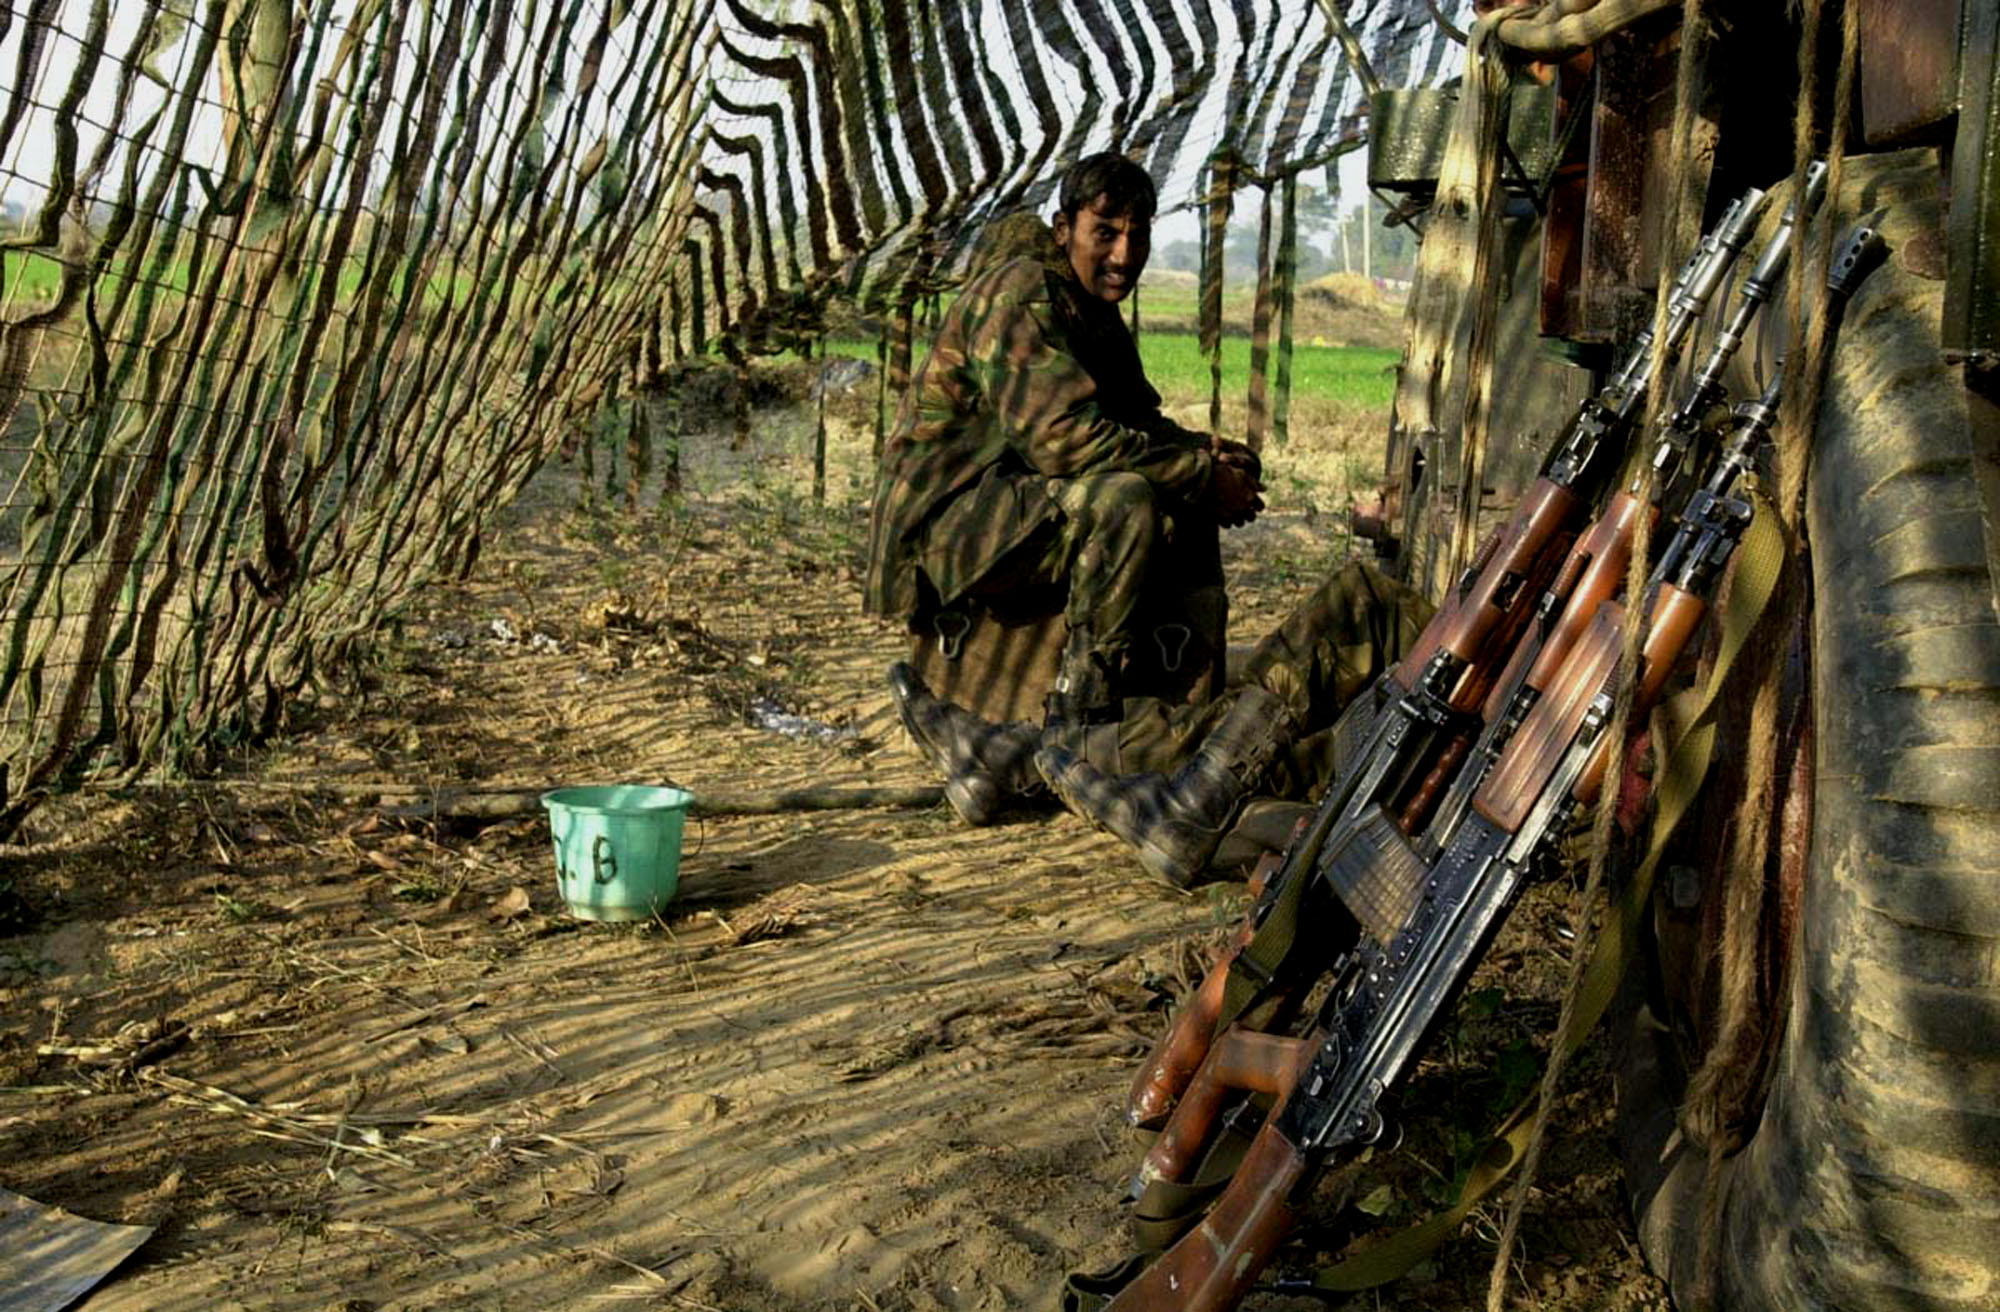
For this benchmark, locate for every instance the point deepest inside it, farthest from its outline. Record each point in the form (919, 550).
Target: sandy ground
(871, 1060)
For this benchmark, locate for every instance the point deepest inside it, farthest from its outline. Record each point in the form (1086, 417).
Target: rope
(1258, 403)
(1285, 284)
(1215, 235)
(1719, 1084)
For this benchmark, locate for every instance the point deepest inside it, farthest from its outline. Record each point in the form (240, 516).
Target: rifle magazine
(1356, 726)
(1377, 874)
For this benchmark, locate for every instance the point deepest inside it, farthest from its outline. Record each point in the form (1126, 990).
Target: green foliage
(1380, 1201)
(1518, 1067)
(239, 910)
(422, 887)
(854, 348)
(1482, 1004)
(1465, 1149)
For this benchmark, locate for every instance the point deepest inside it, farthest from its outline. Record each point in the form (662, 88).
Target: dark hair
(1126, 188)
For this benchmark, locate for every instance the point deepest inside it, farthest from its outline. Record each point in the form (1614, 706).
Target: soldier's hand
(1236, 453)
(1236, 493)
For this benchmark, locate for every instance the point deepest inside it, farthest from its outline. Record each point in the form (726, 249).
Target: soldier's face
(1107, 251)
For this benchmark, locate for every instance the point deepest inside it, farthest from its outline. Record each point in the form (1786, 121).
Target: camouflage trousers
(1100, 536)
(1331, 647)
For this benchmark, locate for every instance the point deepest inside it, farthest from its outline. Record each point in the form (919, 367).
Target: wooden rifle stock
(1431, 787)
(1499, 590)
(1239, 1060)
(1213, 1266)
(1165, 1073)
(1599, 563)
(1551, 728)
(1590, 575)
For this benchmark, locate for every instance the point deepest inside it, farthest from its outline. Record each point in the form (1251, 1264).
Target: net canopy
(294, 296)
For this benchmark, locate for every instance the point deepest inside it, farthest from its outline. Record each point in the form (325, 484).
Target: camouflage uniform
(1030, 448)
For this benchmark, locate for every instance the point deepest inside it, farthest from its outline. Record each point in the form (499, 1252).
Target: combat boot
(1084, 694)
(985, 766)
(1176, 823)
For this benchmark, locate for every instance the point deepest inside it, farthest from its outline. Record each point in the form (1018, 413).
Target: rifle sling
(1088, 1291)
(1759, 562)
(1165, 1212)
(1265, 958)
(1169, 1209)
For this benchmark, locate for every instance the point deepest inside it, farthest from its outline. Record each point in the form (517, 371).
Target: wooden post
(1287, 280)
(819, 429)
(1260, 330)
(739, 437)
(1367, 225)
(881, 389)
(1221, 184)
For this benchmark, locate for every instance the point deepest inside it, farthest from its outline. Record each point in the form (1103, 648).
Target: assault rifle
(1403, 739)
(1391, 986)
(1596, 567)
(1453, 662)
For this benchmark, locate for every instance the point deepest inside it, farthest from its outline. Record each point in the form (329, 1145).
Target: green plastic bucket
(618, 848)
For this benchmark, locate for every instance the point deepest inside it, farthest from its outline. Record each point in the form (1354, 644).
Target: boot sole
(976, 800)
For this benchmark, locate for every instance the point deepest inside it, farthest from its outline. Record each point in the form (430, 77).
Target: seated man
(1031, 451)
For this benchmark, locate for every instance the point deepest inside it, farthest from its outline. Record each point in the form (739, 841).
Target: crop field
(27, 276)
(1344, 350)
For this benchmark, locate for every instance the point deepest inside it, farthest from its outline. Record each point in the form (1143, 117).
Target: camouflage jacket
(1029, 378)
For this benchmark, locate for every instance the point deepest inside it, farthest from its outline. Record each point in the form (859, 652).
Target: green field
(1351, 375)
(30, 276)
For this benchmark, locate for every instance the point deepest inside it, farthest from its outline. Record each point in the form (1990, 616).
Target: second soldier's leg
(1337, 642)
(1176, 821)
(1267, 737)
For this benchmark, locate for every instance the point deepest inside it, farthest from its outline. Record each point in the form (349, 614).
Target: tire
(1872, 1179)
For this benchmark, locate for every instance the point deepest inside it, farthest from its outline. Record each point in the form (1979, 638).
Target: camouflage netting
(295, 299)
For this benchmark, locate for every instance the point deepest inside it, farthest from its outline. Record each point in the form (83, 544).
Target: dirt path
(872, 1060)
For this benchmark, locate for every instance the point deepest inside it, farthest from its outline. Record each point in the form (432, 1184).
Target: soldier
(1030, 448)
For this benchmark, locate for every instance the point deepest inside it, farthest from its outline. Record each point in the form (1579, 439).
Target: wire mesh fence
(294, 297)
